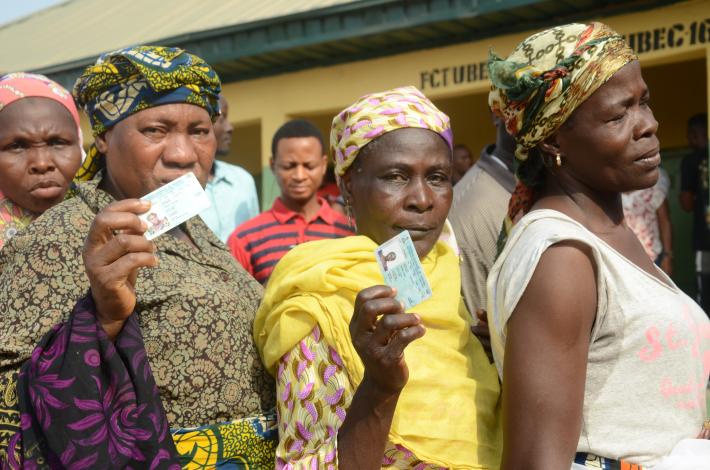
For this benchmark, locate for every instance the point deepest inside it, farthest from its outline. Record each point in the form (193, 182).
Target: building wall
(673, 43)
(455, 78)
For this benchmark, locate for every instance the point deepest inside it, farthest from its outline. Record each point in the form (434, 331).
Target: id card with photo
(173, 204)
(400, 266)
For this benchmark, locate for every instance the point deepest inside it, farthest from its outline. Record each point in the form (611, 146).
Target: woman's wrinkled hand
(380, 331)
(113, 252)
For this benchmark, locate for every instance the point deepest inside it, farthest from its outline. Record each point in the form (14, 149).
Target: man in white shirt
(230, 187)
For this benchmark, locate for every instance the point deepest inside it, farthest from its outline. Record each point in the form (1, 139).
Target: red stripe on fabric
(267, 247)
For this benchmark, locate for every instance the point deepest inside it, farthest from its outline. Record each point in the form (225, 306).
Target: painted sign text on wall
(675, 36)
(670, 37)
(452, 75)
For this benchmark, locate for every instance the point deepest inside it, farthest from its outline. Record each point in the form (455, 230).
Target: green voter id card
(400, 266)
(173, 204)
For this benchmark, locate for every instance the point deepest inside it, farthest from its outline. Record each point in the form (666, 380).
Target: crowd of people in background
(554, 336)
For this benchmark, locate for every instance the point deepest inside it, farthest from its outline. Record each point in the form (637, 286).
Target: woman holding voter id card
(361, 382)
(117, 351)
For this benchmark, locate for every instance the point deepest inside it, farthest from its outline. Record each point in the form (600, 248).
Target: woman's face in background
(39, 152)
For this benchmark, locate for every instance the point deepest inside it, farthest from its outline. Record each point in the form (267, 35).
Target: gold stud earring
(558, 160)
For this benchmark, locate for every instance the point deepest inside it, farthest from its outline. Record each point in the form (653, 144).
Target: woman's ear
(344, 184)
(101, 142)
(549, 147)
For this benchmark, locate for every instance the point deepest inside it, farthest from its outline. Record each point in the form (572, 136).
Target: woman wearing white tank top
(604, 361)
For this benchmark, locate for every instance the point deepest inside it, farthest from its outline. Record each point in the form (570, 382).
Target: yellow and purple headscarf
(544, 80)
(126, 81)
(376, 114)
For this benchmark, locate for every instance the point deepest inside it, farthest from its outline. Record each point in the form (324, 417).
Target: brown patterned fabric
(195, 311)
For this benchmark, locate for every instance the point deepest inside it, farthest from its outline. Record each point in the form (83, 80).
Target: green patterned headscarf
(126, 81)
(549, 75)
(538, 87)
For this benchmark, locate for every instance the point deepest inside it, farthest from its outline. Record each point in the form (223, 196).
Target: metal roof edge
(260, 38)
(34, 13)
(216, 32)
(440, 42)
(347, 8)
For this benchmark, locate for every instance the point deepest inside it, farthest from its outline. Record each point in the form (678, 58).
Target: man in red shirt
(298, 162)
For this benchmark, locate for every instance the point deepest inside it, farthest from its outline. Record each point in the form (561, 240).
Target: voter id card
(400, 266)
(173, 204)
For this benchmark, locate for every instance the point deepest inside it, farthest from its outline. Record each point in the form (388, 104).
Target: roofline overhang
(256, 42)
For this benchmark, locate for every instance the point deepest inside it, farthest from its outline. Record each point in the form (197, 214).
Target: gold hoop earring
(558, 160)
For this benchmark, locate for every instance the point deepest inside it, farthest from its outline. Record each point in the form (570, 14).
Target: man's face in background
(223, 128)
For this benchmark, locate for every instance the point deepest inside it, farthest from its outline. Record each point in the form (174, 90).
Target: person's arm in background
(687, 201)
(666, 231)
(688, 183)
(663, 218)
(546, 355)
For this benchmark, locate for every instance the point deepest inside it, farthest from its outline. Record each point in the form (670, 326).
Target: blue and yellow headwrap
(126, 81)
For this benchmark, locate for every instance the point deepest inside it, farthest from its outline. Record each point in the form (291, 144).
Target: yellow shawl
(448, 412)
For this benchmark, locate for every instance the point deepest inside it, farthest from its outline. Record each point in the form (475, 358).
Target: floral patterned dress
(187, 354)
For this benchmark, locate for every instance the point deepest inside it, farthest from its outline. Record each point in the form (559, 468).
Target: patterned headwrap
(376, 114)
(544, 80)
(129, 80)
(15, 86)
